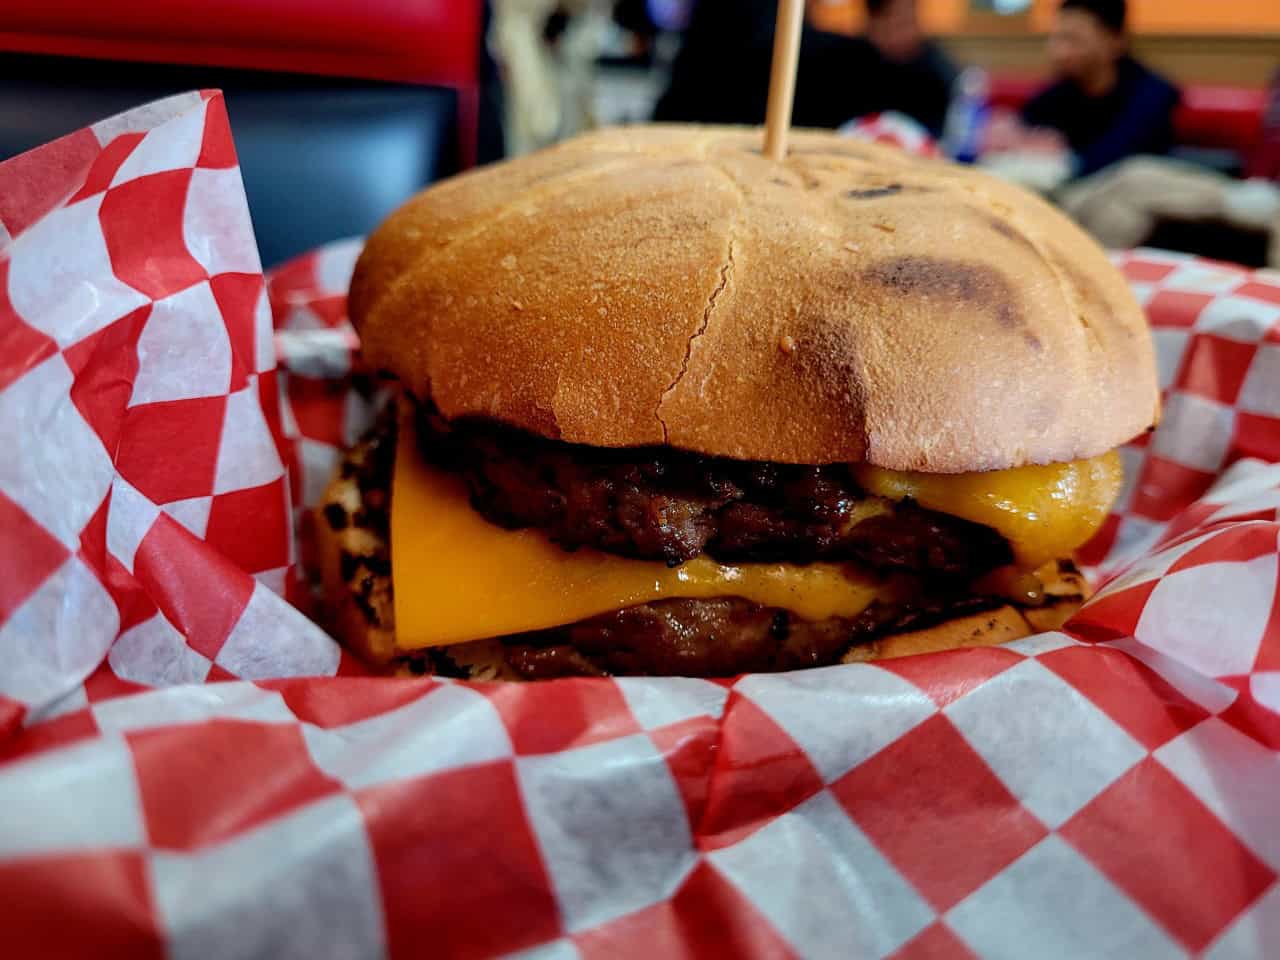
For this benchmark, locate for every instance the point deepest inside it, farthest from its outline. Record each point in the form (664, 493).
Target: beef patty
(662, 504)
(720, 637)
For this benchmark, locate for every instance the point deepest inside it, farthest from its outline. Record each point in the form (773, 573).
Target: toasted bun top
(652, 285)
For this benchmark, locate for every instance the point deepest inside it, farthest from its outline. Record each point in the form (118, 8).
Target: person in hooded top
(1104, 104)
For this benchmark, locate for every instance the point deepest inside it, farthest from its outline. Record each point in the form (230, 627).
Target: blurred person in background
(721, 74)
(1104, 104)
(547, 50)
(903, 70)
(1128, 203)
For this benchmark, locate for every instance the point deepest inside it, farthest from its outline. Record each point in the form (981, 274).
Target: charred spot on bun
(667, 407)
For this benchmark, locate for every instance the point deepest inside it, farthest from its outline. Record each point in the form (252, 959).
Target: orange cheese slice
(1045, 512)
(458, 577)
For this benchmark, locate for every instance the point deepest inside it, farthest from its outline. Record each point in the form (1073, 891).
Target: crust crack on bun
(726, 275)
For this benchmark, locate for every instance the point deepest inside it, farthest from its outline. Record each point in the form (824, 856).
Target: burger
(668, 407)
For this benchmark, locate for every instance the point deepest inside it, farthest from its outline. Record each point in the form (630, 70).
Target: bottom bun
(350, 556)
(987, 629)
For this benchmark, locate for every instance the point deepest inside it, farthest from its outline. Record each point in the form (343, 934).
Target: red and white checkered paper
(893, 129)
(1109, 791)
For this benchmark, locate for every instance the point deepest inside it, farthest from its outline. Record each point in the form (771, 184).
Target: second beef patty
(661, 504)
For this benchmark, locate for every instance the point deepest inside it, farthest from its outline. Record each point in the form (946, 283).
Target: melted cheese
(458, 577)
(1044, 512)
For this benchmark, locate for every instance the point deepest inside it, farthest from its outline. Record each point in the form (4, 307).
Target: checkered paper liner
(1109, 791)
(894, 129)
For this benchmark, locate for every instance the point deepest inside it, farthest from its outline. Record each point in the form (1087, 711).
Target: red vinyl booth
(1213, 117)
(358, 102)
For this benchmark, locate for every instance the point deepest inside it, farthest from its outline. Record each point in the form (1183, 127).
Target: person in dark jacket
(722, 72)
(1106, 105)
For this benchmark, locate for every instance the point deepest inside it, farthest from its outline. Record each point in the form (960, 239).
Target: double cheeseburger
(670, 407)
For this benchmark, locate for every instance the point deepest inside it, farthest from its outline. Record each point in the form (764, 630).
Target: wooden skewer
(782, 77)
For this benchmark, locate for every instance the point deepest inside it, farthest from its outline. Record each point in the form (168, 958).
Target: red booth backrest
(1209, 116)
(435, 42)
(412, 41)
